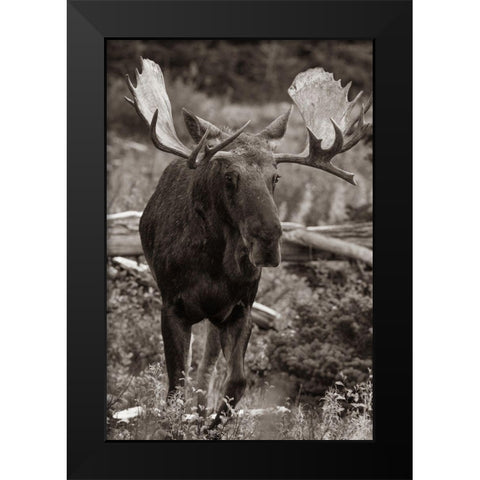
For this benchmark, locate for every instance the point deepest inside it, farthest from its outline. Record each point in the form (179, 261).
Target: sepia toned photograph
(239, 213)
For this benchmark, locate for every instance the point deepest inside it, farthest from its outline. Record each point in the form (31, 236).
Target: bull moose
(212, 224)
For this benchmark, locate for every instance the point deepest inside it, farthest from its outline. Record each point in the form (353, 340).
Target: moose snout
(265, 246)
(266, 231)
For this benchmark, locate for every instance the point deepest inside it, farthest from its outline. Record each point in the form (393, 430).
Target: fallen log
(138, 411)
(298, 244)
(360, 233)
(318, 241)
(122, 234)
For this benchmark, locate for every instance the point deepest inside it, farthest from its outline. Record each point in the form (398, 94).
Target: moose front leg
(205, 369)
(176, 333)
(234, 336)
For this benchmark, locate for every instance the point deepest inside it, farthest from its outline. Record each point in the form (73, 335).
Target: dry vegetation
(314, 364)
(304, 195)
(341, 414)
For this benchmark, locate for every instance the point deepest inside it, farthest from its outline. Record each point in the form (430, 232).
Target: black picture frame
(389, 454)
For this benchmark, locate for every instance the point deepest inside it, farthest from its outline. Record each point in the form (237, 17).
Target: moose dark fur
(206, 233)
(210, 227)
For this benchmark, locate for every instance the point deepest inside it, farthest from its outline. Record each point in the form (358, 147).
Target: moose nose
(266, 232)
(265, 253)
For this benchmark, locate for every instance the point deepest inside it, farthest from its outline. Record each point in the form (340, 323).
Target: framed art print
(239, 237)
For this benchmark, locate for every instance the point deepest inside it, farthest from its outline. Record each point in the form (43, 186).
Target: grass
(304, 195)
(136, 371)
(341, 414)
(135, 367)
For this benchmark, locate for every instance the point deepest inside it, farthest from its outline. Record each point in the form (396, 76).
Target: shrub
(330, 334)
(245, 70)
(341, 414)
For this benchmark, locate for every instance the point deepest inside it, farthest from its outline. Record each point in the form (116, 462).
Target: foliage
(316, 343)
(133, 323)
(303, 195)
(235, 68)
(324, 334)
(331, 333)
(342, 414)
(325, 330)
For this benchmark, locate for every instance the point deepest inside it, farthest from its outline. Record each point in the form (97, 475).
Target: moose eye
(231, 180)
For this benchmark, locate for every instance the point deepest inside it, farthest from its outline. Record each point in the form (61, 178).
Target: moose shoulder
(212, 224)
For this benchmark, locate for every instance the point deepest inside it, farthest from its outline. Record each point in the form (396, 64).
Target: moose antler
(151, 101)
(329, 117)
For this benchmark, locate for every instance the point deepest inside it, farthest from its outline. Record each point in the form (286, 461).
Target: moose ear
(196, 126)
(277, 128)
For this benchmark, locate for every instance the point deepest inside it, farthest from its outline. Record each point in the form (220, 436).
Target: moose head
(236, 172)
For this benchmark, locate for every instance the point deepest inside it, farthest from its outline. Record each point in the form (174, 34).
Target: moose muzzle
(264, 244)
(265, 254)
